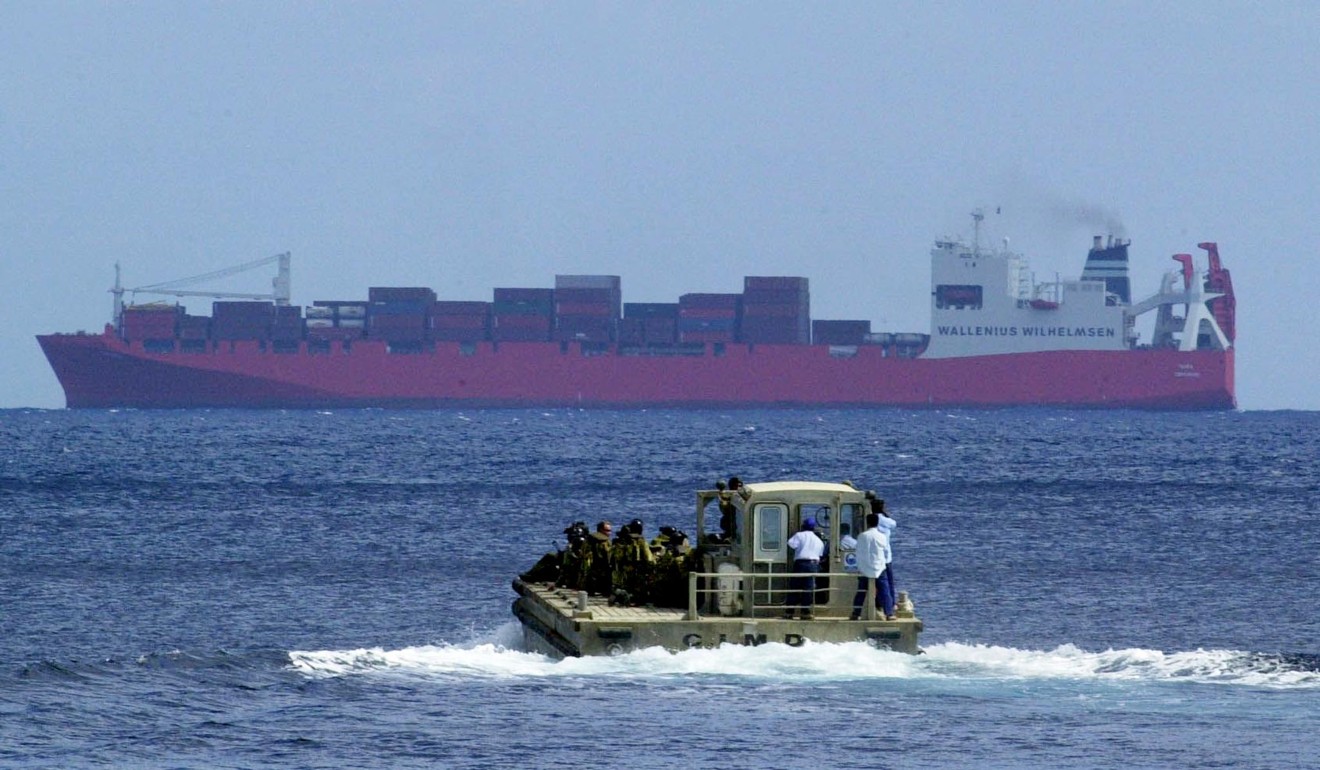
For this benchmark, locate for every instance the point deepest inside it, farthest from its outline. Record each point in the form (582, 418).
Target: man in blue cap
(808, 548)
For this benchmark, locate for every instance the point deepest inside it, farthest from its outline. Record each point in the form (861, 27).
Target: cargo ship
(997, 338)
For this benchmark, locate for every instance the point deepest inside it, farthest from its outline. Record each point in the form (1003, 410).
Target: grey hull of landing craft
(553, 624)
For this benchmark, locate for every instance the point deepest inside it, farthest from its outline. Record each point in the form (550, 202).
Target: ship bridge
(985, 302)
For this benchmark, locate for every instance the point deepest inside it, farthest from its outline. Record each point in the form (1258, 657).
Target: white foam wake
(499, 656)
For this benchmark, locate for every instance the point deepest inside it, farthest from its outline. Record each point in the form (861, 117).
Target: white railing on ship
(761, 583)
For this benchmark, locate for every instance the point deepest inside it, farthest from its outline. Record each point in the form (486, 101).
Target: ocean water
(331, 590)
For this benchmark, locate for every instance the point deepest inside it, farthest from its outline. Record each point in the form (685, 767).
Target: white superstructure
(984, 302)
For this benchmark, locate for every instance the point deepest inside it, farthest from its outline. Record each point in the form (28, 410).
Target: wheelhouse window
(771, 519)
(821, 512)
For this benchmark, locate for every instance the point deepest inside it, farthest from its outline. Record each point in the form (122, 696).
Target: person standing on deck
(888, 596)
(807, 550)
(872, 555)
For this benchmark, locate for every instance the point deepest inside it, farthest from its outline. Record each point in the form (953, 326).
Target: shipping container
(229, 333)
(708, 313)
(456, 307)
(416, 321)
(612, 282)
(594, 309)
(246, 309)
(706, 336)
(586, 295)
(840, 332)
(194, 327)
(586, 328)
(535, 322)
(775, 297)
(660, 329)
(400, 294)
(399, 307)
(535, 296)
(460, 321)
(650, 310)
(460, 335)
(776, 311)
(409, 334)
(774, 283)
(771, 330)
(632, 331)
(508, 334)
(333, 333)
(342, 308)
(692, 301)
(707, 324)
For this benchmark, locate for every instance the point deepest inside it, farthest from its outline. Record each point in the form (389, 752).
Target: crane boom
(280, 285)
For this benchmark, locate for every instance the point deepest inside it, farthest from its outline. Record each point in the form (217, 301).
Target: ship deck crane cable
(280, 285)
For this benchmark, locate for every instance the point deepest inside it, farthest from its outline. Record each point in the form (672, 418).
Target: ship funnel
(1109, 263)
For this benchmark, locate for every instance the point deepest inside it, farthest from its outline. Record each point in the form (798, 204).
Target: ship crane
(279, 294)
(1197, 297)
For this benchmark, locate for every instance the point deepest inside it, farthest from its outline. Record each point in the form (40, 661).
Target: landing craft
(734, 585)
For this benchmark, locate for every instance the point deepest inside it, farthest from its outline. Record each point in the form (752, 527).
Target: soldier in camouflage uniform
(671, 548)
(576, 561)
(633, 565)
(600, 570)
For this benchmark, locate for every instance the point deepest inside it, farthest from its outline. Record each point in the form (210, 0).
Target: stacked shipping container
(776, 310)
(398, 314)
(150, 322)
(453, 321)
(840, 332)
(583, 308)
(522, 315)
(649, 323)
(247, 320)
(336, 320)
(708, 317)
(587, 307)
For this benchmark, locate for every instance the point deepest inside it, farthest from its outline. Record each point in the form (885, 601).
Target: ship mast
(977, 216)
(117, 310)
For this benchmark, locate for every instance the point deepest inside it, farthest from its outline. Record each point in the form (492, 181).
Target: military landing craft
(733, 587)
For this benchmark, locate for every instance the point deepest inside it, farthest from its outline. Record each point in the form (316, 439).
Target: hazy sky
(470, 145)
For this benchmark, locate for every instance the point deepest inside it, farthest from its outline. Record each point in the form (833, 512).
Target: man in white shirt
(872, 557)
(888, 596)
(807, 550)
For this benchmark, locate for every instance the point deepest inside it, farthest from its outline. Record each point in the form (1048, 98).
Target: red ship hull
(102, 371)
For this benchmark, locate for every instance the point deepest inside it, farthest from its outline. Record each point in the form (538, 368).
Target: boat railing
(753, 594)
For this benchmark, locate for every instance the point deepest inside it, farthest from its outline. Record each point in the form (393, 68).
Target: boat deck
(565, 601)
